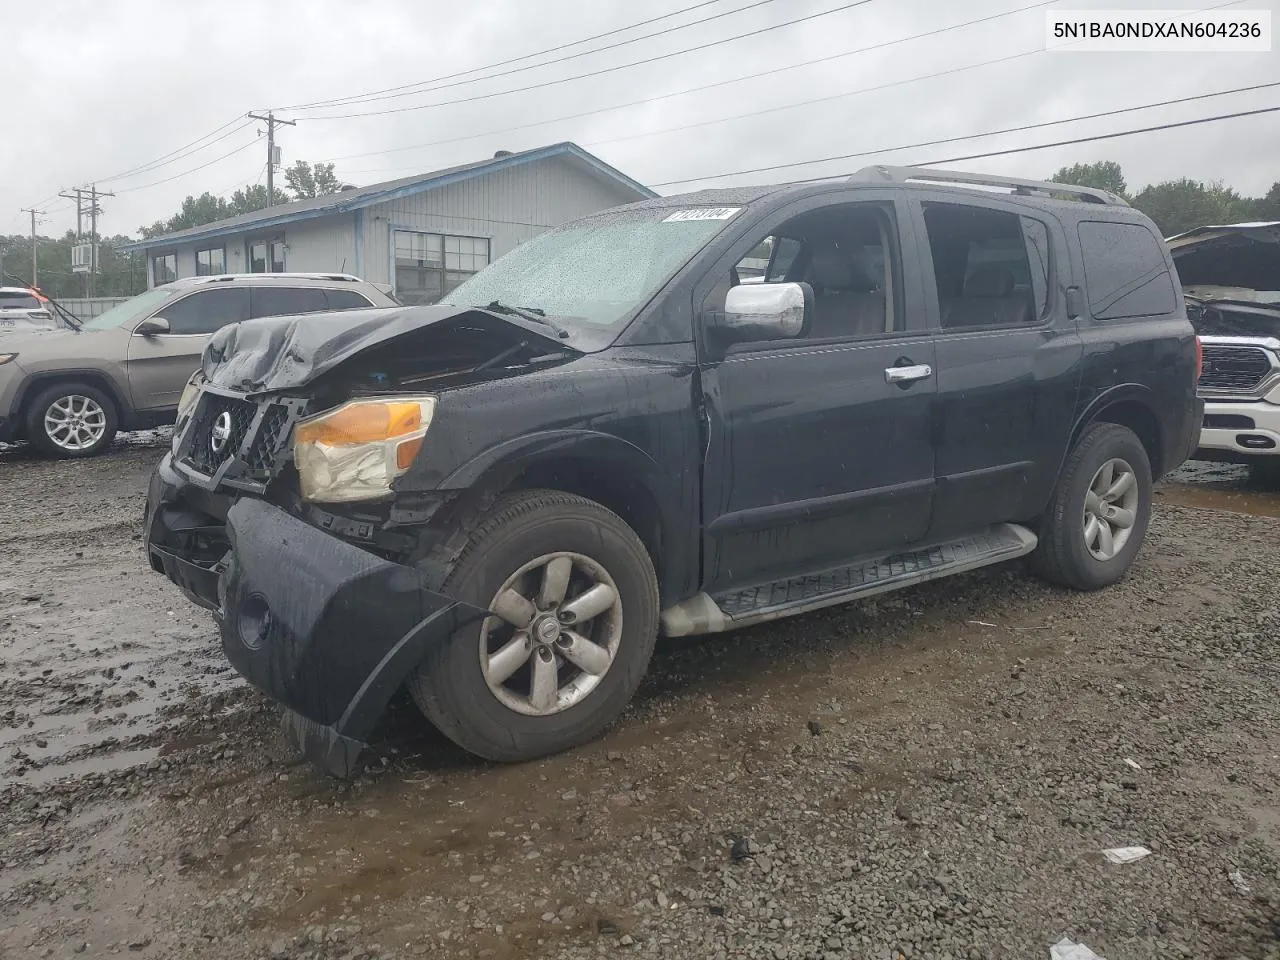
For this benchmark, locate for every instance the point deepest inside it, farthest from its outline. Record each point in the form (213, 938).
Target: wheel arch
(600, 467)
(1132, 406)
(38, 382)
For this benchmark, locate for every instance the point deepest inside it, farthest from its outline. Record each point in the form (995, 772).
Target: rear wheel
(71, 420)
(1099, 513)
(576, 615)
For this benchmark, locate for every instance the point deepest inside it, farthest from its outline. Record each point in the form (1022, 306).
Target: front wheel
(1099, 513)
(575, 604)
(71, 420)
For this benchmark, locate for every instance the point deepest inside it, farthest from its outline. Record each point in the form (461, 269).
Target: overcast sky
(94, 90)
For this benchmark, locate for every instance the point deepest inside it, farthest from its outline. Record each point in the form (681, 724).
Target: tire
(504, 720)
(1064, 556)
(90, 411)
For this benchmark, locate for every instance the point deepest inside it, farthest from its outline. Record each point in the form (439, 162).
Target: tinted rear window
(1125, 271)
(16, 300)
(346, 300)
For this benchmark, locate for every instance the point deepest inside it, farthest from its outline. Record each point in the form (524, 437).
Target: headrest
(991, 281)
(832, 269)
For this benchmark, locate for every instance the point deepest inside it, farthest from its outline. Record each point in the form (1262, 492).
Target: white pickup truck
(1231, 280)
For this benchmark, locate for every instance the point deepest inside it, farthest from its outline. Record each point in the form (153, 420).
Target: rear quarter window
(1125, 271)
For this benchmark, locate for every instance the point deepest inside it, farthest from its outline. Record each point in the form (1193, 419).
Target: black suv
(500, 500)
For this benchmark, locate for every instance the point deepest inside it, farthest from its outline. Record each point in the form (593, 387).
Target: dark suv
(499, 501)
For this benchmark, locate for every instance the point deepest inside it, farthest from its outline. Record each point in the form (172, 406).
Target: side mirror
(152, 327)
(766, 311)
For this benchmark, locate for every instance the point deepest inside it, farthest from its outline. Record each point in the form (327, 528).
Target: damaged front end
(1231, 281)
(301, 552)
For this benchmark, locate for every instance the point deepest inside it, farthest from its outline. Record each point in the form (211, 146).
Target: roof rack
(877, 174)
(345, 277)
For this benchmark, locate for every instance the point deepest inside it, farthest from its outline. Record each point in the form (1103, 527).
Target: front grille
(254, 442)
(261, 455)
(1234, 368)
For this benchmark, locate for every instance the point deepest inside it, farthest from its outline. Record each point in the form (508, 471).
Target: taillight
(1199, 358)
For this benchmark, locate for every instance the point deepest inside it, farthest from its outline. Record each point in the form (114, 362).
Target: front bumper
(1239, 432)
(327, 629)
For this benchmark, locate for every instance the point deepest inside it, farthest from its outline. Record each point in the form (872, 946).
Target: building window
(211, 262)
(266, 256)
(430, 265)
(164, 268)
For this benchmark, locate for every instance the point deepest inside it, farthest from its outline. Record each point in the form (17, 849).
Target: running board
(784, 598)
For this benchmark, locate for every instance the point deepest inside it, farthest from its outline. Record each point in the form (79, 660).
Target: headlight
(6, 357)
(355, 451)
(190, 394)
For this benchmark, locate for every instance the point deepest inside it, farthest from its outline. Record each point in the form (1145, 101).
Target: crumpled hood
(279, 353)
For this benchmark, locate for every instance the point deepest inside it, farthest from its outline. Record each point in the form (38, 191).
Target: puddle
(1220, 486)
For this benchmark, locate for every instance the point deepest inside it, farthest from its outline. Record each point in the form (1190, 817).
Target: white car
(1231, 280)
(25, 310)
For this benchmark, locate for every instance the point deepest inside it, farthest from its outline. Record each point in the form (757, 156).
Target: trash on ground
(1132, 763)
(982, 623)
(1239, 882)
(1125, 854)
(1065, 949)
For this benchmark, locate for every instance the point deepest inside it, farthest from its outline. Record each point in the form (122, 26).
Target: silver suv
(68, 391)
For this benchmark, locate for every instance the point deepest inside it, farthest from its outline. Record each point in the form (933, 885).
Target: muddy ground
(932, 774)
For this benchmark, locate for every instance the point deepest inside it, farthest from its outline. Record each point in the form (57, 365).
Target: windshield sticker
(702, 213)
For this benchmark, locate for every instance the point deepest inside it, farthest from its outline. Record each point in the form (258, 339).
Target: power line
(172, 155)
(1065, 143)
(426, 86)
(596, 73)
(178, 176)
(978, 136)
(732, 80)
(1103, 136)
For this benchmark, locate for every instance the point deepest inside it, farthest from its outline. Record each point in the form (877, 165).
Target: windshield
(123, 312)
(596, 271)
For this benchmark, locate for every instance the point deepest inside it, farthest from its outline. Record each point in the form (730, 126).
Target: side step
(784, 598)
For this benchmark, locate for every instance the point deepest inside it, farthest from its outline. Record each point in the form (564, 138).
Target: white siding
(507, 207)
(321, 245)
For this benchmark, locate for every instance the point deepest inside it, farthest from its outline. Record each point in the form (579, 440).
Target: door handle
(918, 371)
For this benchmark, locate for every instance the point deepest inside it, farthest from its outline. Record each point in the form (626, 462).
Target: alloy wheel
(554, 636)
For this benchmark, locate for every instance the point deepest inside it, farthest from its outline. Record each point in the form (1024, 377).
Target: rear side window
(279, 301)
(1125, 271)
(207, 311)
(991, 266)
(18, 300)
(346, 300)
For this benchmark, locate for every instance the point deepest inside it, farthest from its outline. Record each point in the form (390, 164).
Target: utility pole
(94, 210)
(76, 195)
(35, 276)
(272, 157)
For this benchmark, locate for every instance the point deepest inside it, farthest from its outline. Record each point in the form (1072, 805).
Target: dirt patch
(930, 774)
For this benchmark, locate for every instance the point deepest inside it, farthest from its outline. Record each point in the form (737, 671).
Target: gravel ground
(931, 774)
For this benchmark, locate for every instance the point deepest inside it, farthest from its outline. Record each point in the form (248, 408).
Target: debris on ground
(1126, 854)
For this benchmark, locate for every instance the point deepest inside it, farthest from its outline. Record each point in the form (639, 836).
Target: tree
(1102, 175)
(307, 180)
(206, 208)
(1180, 205)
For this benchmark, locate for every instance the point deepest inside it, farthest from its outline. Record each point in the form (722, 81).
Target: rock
(279, 949)
(815, 728)
(742, 849)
